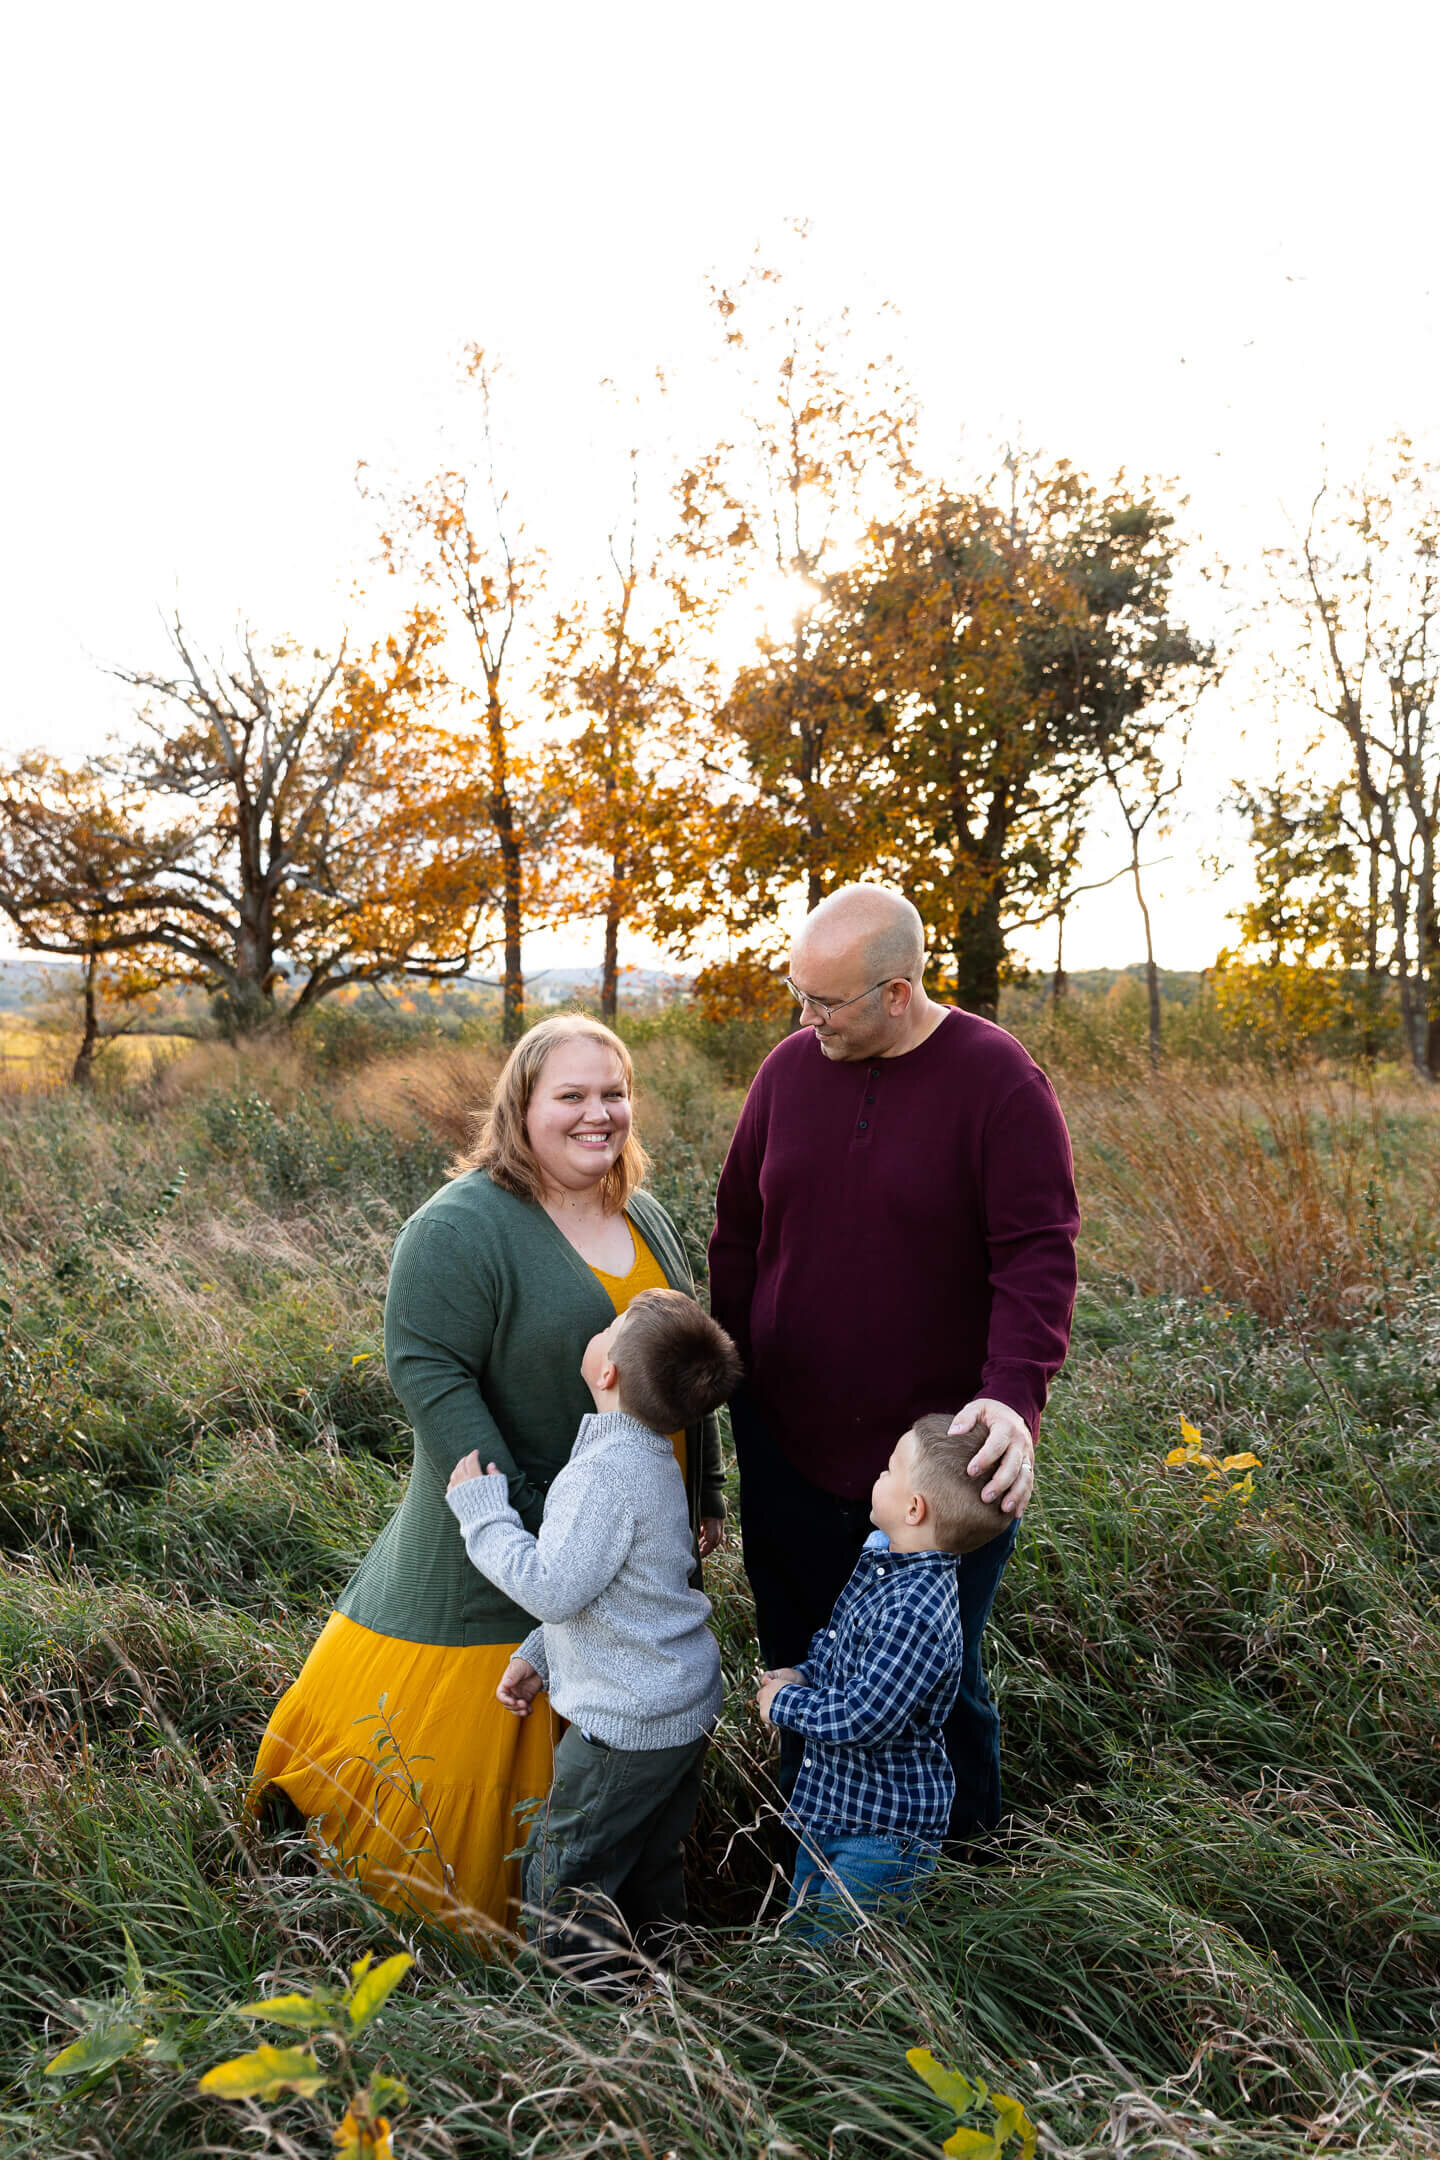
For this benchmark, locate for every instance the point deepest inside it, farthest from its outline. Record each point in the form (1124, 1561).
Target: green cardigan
(488, 1312)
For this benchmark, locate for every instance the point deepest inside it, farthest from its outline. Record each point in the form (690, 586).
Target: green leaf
(134, 1971)
(372, 1990)
(94, 2050)
(951, 2086)
(385, 2092)
(305, 2013)
(975, 2144)
(266, 2074)
(166, 2045)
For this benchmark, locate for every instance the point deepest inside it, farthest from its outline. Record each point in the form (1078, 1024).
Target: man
(894, 1234)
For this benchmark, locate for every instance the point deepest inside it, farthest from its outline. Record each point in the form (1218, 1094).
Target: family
(892, 1277)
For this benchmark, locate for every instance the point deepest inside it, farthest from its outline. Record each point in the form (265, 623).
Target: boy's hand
(712, 1534)
(469, 1467)
(770, 1686)
(519, 1685)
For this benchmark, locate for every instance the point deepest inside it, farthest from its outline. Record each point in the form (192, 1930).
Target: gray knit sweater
(622, 1646)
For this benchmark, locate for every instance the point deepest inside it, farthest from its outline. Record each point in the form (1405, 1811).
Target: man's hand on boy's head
(771, 1684)
(1007, 1459)
(469, 1467)
(519, 1685)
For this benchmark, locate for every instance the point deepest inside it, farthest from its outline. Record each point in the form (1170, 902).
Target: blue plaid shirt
(884, 1673)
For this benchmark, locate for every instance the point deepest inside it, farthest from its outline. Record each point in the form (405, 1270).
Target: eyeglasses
(830, 1006)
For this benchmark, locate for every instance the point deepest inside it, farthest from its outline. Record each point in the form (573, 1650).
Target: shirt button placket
(864, 1124)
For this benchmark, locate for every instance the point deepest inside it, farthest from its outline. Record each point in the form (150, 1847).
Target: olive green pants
(604, 1863)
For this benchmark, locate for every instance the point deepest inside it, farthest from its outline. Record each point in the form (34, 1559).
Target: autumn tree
(271, 822)
(774, 514)
(1020, 650)
(626, 678)
(1304, 942)
(74, 846)
(1364, 584)
(459, 536)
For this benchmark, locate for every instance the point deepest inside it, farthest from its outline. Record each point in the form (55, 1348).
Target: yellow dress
(416, 1799)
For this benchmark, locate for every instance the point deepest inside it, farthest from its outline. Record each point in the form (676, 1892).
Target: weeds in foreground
(1211, 1926)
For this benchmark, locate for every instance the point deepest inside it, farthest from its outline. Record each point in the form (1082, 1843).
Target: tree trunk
(1152, 973)
(82, 1072)
(512, 1023)
(502, 817)
(1057, 984)
(979, 957)
(1412, 1020)
(1370, 1038)
(610, 970)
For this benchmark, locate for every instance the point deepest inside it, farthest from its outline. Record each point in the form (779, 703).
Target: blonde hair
(502, 1145)
(963, 1521)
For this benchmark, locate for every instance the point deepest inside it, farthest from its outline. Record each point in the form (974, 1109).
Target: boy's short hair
(676, 1364)
(963, 1521)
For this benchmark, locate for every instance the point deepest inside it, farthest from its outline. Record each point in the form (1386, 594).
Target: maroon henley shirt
(894, 1237)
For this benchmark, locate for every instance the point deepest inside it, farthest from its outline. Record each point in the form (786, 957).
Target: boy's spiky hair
(675, 1363)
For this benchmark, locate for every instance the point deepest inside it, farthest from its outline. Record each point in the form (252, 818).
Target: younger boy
(872, 1799)
(623, 1645)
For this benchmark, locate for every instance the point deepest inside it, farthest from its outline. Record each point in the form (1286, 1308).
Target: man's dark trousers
(800, 1545)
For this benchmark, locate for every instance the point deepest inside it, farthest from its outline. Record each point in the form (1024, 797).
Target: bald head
(871, 925)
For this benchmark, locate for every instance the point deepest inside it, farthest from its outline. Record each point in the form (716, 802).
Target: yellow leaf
(363, 1358)
(1180, 1454)
(1241, 1462)
(1011, 2121)
(951, 2086)
(369, 2140)
(307, 2013)
(371, 1990)
(266, 2074)
(975, 2144)
(1191, 1434)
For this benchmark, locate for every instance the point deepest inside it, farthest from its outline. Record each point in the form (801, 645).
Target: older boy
(872, 1799)
(623, 1644)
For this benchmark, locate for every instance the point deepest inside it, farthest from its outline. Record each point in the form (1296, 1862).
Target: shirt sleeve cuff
(479, 1500)
(533, 1652)
(778, 1699)
(1019, 1388)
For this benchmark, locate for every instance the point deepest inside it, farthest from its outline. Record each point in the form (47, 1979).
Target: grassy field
(1212, 1923)
(35, 1057)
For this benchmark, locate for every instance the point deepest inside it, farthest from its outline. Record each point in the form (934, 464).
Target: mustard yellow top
(645, 1273)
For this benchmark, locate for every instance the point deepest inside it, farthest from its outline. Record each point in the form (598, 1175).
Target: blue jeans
(833, 1874)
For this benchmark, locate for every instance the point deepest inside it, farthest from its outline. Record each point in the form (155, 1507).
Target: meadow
(1211, 1923)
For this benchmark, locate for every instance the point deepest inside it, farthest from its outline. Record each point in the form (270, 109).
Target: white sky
(243, 247)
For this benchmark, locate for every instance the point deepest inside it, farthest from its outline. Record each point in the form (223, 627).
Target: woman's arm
(439, 1322)
(712, 1469)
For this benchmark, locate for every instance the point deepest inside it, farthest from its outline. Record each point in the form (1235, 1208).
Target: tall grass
(1292, 1193)
(1211, 1924)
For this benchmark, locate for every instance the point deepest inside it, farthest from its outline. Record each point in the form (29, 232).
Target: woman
(391, 1741)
